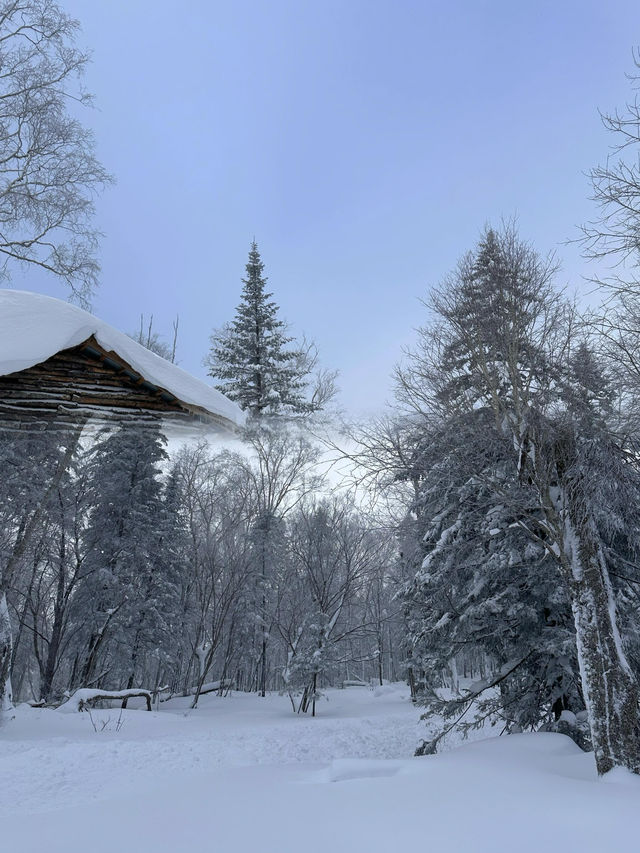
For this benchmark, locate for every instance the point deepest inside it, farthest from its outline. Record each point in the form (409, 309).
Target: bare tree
(280, 471)
(22, 516)
(615, 232)
(322, 387)
(56, 574)
(217, 512)
(152, 340)
(332, 557)
(49, 174)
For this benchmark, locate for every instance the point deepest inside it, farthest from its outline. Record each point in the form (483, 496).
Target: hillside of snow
(243, 774)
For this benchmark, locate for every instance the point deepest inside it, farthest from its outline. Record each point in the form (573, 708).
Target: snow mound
(34, 327)
(349, 770)
(386, 690)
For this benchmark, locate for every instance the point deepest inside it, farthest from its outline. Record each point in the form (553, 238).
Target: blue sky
(364, 144)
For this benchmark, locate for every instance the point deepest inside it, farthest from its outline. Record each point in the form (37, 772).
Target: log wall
(85, 382)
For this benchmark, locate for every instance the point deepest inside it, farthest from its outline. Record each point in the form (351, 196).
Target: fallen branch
(85, 697)
(209, 687)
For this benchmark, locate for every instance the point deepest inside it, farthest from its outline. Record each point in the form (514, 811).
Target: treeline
(213, 566)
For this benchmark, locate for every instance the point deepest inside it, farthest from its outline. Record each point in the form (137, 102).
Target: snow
(83, 697)
(243, 773)
(34, 327)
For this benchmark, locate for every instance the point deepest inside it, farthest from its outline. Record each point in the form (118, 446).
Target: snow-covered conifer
(486, 598)
(252, 358)
(501, 345)
(130, 590)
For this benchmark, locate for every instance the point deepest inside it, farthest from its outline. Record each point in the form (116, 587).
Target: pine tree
(251, 358)
(130, 592)
(485, 596)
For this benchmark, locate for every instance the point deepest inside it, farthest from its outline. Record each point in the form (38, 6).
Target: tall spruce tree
(499, 345)
(250, 357)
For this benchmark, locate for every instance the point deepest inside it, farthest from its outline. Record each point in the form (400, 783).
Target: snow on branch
(83, 699)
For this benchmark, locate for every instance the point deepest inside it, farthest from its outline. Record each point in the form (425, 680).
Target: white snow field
(243, 774)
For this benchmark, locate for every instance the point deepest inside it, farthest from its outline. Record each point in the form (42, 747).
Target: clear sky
(364, 144)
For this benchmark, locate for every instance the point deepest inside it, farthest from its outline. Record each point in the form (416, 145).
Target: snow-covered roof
(34, 327)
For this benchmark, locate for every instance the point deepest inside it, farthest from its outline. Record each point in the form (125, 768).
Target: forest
(479, 541)
(503, 545)
(215, 565)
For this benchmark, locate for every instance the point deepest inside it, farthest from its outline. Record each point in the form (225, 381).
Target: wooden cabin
(60, 366)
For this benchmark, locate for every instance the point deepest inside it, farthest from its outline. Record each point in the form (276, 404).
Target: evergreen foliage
(129, 597)
(251, 357)
(485, 596)
(501, 356)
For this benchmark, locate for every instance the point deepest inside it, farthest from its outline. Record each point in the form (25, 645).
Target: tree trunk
(22, 618)
(96, 641)
(412, 683)
(6, 649)
(205, 666)
(263, 667)
(130, 683)
(53, 650)
(610, 689)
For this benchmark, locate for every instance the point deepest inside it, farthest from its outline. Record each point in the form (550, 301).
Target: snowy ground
(243, 773)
